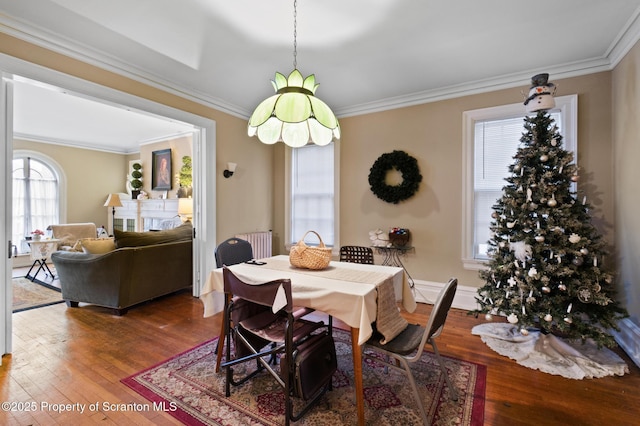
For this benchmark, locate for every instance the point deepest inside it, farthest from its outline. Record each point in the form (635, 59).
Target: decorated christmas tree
(546, 268)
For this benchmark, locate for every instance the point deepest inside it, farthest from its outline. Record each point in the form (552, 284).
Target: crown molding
(73, 49)
(71, 144)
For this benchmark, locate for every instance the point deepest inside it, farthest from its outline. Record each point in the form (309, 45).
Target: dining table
(356, 294)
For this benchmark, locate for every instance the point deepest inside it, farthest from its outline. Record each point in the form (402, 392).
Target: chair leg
(416, 395)
(220, 348)
(452, 389)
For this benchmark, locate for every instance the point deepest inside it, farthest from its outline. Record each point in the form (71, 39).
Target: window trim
(568, 107)
(336, 195)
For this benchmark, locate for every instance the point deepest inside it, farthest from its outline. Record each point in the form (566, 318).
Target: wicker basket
(304, 256)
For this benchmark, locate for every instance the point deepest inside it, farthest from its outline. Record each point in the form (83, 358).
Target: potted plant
(136, 182)
(36, 235)
(185, 178)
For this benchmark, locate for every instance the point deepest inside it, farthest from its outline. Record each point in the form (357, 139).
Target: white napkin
(280, 300)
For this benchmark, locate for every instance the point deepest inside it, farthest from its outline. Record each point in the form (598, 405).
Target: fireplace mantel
(144, 215)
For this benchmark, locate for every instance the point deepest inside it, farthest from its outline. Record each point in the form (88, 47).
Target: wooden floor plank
(72, 355)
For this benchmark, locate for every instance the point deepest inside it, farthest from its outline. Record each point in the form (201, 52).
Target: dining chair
(356, 254)
(408, 346)
(273, 333)
(231, 252)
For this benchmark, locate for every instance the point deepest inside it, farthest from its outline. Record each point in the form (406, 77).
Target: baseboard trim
(427, 292)
(629, 339)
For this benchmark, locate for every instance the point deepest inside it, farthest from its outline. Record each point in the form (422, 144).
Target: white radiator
(261, 243)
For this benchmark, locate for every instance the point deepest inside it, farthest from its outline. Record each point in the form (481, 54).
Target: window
(491, 139)
(312, 193)
(36, 197)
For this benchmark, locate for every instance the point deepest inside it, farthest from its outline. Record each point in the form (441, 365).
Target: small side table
(392, 257)
(40, 252)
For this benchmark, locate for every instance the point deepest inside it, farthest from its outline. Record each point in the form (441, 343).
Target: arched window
(36, 197)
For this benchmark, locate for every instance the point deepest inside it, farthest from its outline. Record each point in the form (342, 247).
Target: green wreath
(405, 164)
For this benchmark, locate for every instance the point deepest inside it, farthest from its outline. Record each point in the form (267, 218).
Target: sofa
(131, 268)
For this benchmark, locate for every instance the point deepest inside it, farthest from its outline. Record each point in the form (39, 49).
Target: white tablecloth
(345, 290)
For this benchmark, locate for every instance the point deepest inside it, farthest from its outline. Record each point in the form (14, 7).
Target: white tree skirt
(551, 354)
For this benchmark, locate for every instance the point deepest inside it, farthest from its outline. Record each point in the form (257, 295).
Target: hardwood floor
(79, 355)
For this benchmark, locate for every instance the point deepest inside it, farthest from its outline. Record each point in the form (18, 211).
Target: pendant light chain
(295, 34)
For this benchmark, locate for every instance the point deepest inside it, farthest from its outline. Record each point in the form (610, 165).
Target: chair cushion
(97, 245)
(138, 239)
(271, 327)
(403, 344)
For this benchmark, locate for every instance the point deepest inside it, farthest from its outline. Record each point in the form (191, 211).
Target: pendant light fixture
(294, 115)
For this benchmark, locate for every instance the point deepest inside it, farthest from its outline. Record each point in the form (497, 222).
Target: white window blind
(312, 193)
(495, 144)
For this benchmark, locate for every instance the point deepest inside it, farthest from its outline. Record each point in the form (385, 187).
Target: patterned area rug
(31, 295)
(188, 387)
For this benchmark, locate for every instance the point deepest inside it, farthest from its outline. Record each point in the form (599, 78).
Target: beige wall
(253, 198)
(432, 133)
(244, 201)
(626, 135)
(179, 148)
(85, 172)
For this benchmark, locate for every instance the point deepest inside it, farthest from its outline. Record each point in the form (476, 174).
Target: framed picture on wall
(161, 170)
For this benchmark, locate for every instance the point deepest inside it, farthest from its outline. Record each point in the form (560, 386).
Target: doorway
(204, 144)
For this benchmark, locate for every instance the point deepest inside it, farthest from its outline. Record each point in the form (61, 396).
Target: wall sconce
(231, 168)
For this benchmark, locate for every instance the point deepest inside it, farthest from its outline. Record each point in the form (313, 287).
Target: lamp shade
(185, 206)
(294, 115)
(113, 200)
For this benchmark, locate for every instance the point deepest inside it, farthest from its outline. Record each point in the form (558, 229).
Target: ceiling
(367, 55)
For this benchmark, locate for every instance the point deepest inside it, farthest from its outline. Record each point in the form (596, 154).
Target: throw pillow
(136, 239)
(97, 245)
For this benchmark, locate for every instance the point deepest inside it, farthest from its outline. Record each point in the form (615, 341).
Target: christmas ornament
(524, 331)
(533, 272)
(584, 294)
(577, 261)
(544, 158)
(488, 317)
(540, 94)
(548, 318)
(584, 251)
(552, 202)
(546, 289)
(574, 238)
(512, 318)
(539, 238)
(568, 320)
(521, 250)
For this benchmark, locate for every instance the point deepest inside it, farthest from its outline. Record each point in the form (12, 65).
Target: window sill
(475, 264)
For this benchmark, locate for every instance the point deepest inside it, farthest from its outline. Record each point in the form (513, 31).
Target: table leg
(357, 373)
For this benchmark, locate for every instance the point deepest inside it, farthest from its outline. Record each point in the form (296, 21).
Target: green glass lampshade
(294, 115)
